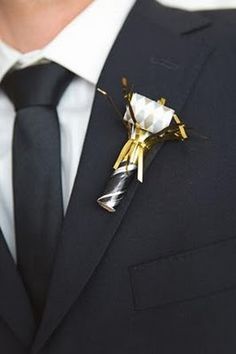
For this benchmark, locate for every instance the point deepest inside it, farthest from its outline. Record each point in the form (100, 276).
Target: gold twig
(112, 102)
(128, 96)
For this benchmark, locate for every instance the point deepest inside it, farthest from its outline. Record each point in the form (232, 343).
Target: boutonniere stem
(148, 123)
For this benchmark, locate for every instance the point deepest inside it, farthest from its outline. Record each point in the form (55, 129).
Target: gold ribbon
(133, 151)
(139, 143)
(181, 126)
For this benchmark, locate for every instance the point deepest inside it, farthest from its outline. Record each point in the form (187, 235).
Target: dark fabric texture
(35, 93)
(157, 276)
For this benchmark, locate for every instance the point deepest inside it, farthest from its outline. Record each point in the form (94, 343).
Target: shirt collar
(82, 46)
(8, 58)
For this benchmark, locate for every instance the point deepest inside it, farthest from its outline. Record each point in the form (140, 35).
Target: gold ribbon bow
(140, 141)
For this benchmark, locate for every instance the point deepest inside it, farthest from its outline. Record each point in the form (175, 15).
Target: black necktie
(35, 93)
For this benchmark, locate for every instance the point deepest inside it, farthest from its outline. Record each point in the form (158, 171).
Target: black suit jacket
(159, 275)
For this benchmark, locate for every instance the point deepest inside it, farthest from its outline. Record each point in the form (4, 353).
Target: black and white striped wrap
(117, 186)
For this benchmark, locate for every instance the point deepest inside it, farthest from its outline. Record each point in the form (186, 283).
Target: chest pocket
(184, 276)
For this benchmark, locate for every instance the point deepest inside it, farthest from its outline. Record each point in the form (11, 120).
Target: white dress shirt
(200, 4)
(82, 47)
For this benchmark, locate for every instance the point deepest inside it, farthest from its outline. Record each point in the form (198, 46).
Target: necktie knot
(37, 85)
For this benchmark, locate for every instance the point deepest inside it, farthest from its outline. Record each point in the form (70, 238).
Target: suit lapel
(15, 308)
(160, 64)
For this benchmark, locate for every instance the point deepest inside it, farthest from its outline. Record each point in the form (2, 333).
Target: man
(159, 275)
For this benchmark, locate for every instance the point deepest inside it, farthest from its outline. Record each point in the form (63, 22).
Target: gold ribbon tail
(181, 127)
(123, 154)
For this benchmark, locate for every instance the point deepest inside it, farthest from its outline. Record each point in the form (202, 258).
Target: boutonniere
(148, 123)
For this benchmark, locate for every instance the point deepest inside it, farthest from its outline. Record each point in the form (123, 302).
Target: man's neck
(27, 25)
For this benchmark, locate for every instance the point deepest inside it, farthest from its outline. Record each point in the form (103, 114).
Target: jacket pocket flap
(184, 276)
